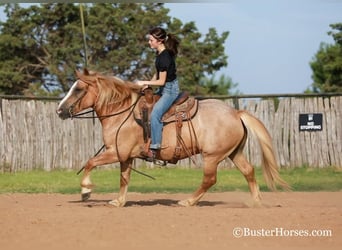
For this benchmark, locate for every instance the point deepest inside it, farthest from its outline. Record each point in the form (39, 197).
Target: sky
(270, 42)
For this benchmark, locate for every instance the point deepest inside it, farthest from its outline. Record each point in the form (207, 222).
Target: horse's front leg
(106, 157)
(125, 168)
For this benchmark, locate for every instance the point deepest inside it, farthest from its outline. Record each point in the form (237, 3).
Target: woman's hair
(170, 41)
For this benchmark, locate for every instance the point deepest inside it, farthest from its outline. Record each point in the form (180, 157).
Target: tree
(37, 47)
(327, 64)
(41, 46)
(224, 85)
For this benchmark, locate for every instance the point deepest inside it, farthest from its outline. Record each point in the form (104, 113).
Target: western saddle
(184, 108)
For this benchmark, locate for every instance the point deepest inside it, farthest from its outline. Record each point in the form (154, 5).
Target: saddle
(184, 108)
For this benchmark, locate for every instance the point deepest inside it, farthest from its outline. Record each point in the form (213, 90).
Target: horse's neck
(117, 110)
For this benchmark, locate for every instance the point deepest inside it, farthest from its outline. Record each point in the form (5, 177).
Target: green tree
(41, 46)
(223, 85)
(327, 64)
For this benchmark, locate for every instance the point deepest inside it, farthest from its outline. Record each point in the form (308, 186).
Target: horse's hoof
(116, 203)
(184, 203)
(254, 204)
(86, 196)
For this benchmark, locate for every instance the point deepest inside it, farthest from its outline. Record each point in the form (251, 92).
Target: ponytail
(170, 41)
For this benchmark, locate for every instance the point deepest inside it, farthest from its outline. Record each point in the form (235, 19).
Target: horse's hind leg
(125, 168)
(248, 171)
(209, 179)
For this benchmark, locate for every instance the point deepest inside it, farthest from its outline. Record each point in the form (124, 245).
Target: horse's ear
(83, 74)
(78, 74)
(86, 72)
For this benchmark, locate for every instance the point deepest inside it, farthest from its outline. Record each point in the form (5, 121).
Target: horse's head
(82, 95)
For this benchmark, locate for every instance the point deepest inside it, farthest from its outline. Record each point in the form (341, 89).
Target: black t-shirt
(166, 62)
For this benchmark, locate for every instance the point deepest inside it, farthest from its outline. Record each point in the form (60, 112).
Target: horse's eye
(77, 90)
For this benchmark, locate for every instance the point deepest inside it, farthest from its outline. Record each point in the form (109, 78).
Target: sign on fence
(311, 122)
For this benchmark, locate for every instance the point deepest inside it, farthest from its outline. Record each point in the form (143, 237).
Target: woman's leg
(158, 111)
(170, 94)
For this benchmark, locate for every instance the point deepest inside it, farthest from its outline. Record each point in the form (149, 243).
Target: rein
(81, 116)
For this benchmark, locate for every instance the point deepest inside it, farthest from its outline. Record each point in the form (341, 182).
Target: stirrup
(149, 155)
(160, 162)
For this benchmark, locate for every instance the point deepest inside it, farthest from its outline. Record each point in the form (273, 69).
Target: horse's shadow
(159, 202)
(169, 203)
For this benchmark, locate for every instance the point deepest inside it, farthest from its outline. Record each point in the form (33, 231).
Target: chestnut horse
(220, 131)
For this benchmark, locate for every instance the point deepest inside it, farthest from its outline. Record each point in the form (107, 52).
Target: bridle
(74, 104)
(81, 115)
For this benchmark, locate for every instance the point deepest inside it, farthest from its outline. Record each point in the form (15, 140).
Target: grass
(168, 180)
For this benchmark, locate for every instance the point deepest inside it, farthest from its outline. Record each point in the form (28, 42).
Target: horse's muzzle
(63, 113)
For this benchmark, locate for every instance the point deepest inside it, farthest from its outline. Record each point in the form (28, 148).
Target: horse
(220, 130)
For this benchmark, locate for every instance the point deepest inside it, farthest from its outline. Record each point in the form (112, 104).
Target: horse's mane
(112, 90)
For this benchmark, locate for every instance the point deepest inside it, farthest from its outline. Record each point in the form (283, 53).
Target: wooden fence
(32, 136)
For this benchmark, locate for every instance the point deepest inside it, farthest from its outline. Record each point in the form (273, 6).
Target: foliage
(42, 45)
(327, 64)
(224, 85)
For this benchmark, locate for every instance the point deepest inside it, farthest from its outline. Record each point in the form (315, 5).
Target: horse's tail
(269, 163)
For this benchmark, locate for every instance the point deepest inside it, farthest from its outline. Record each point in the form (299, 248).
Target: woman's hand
(142, 84)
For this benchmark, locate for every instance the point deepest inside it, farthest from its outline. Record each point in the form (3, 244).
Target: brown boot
(150, 155)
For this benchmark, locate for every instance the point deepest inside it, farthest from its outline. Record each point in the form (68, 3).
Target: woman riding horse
(220, 132)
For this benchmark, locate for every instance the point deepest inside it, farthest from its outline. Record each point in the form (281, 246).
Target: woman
(166, 46)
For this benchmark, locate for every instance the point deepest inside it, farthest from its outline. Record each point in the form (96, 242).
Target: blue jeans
(169, 93)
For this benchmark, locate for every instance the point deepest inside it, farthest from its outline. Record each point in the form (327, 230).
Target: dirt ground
(292, 220)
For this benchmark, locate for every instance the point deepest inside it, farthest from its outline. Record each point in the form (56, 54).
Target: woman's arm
(154, 82)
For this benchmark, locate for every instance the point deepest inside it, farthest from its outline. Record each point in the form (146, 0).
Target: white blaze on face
(67, 95)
